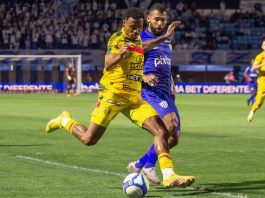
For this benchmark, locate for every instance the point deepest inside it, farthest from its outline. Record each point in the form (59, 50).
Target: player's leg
(258, 102)
(145, 116)
(68, 88)
(253, 90)
(103, 113)
(168, 111)
(87, 135)
(161, 135)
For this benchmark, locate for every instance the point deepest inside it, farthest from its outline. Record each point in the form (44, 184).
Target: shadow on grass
(216, 188)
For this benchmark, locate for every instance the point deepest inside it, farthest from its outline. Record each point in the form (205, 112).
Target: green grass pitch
(217, 145)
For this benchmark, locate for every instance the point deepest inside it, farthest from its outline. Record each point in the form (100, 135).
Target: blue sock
(151, 161)
(143, 160)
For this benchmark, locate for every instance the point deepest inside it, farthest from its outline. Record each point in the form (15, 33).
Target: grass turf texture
(217, 145)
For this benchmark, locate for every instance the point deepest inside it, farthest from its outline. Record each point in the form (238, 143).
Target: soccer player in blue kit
(158, 88)
(251, 79)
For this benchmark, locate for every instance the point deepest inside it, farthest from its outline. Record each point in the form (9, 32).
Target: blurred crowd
(88, 24)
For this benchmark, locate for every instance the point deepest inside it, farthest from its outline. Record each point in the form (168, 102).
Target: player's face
(157, 22)
(133, 27)
(263, 45)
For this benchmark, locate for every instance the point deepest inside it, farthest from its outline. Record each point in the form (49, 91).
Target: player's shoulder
(261, 54)
(115, 36)
(146, 35)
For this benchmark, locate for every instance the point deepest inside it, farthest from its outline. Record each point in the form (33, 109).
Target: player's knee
(172, 127)
(89, 141)
(162, 134)
(173, 141)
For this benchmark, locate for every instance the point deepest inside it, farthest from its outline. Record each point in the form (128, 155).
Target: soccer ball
(135, 185)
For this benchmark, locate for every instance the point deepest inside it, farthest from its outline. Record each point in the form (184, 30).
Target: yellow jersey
(125, 76)
(260, 59)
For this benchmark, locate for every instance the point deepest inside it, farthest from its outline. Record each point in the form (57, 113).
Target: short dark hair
(133, 12)
(157, 6)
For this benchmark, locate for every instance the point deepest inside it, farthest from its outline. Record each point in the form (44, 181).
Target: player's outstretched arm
(111, 59)
(170, 31)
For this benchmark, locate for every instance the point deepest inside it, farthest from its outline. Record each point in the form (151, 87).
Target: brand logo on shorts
(163, 104)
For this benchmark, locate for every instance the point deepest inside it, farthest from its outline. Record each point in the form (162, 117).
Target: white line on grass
(227, 194)
(224, 194)
(70, 166)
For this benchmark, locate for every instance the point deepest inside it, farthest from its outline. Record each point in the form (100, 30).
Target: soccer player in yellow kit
(121, 92)
(259, 64)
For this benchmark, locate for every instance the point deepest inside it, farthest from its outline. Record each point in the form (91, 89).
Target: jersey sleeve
(258, 60)
(112, 47)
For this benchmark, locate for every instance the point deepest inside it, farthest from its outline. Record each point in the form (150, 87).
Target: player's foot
(250, 116)
(56, 123)
(132, 168)
(178, 181)
(76, 94)
(150, 173)
(68, 95)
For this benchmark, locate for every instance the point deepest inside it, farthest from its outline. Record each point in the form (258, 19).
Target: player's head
(70, 65)
(263, 44)
(157, 19)
(133, 21)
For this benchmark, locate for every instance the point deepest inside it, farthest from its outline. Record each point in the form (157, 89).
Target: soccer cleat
(250, 116)
(178, 181)
(76, 94)
(56, 123)
(132, 168)
(150, 173)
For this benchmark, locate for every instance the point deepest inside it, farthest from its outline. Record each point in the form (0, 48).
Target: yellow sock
(165, 161)
(70, 125)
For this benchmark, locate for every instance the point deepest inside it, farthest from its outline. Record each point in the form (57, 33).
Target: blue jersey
(157, 61)
(252, 74)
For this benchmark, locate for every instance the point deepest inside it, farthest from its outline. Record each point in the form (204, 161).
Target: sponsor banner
(59, 87)
(92, 87)
(211, 88)
(31, 87)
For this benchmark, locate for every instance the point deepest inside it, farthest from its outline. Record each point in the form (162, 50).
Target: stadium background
(215, 37)
(218, 145)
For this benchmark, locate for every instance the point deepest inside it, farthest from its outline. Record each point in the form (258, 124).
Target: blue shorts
(162, 102)
(252, 87)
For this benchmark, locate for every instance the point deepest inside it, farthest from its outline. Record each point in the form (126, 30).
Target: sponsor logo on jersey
(163, 104)
(139, 65)
(162, 61)
(134, 77)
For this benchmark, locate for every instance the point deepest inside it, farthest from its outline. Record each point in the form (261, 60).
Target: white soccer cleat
(251, 116)
(132, 168)
(150, 173)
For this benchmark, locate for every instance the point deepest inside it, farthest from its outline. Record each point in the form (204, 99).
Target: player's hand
(125, 50)
(171, 28)
(150, 79)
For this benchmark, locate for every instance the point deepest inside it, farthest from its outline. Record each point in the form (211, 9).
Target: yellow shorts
(110, 104)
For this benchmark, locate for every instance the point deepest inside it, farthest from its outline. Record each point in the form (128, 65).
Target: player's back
(158, 62)
(126, 75)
